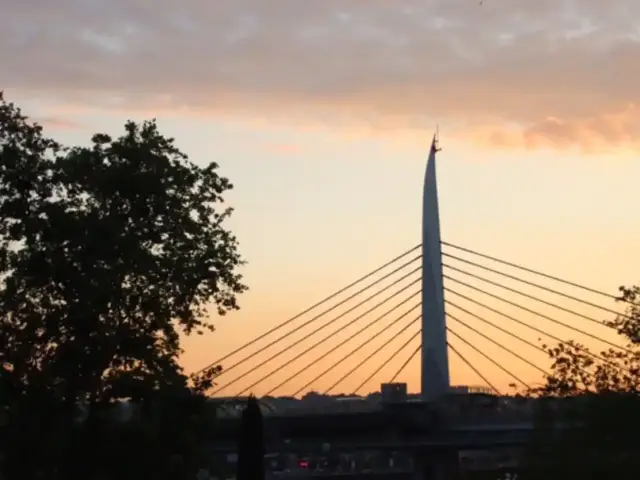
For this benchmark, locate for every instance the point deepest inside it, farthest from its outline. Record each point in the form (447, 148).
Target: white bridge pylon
(434, 375)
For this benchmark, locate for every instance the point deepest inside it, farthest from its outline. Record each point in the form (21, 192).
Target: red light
(303, 464)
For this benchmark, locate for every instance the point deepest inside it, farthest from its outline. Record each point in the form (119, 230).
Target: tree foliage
(589, 408)
(108, 253)
(577, 369)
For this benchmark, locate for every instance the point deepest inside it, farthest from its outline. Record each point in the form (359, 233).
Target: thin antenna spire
(436, 139)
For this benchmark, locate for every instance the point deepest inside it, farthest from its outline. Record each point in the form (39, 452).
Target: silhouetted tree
(251, 447)
(589, 410)
(574, 370)
(108, 253)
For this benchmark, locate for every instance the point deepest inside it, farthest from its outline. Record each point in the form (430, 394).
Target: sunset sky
(322, 112)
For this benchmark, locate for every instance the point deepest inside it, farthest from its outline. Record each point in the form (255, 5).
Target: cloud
(58, 123)
(510, 73)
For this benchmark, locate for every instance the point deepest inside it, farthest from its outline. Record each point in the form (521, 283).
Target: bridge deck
(460, 439)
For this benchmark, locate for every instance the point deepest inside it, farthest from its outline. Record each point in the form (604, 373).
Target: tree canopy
(109, 252)
(576, 369)
(589, 409)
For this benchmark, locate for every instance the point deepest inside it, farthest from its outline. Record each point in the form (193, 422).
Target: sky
(322, 112)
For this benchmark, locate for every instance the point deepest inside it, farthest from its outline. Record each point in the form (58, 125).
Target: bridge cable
(536, 285)
(512, 318)
(497, 364)
(351, 353)
(544, 372)
(507, 349)
(517, 337)
(388, 360)
(347, 340)
(541, 315)
(407, 361)
(313, 307)
(476, 371)
(536, 272)
(532, 297)
(313, 319)
(371, 355)
(332, 334)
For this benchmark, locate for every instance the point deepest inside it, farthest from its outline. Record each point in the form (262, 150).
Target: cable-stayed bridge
(435, 303)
